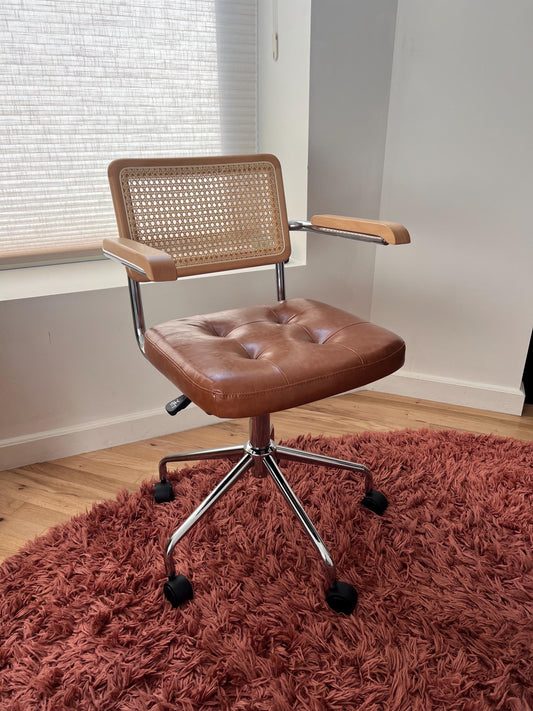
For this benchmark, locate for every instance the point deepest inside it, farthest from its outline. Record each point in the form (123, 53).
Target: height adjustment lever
(174, 406)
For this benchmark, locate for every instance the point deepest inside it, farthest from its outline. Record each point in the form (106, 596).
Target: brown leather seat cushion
(260, 359)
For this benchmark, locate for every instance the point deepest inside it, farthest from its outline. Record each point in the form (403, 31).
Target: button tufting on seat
(265, 358)
(246, 352)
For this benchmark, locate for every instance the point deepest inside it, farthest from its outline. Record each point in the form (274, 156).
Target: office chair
(185, 216)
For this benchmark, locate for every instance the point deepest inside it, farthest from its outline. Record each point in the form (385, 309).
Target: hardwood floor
(39, 496)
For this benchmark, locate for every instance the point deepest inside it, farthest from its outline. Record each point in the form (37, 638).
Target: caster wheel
(163, 492)
(342, 597)
(375, 501)
(177, 590)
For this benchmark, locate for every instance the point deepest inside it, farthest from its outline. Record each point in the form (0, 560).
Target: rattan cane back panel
(209, 216)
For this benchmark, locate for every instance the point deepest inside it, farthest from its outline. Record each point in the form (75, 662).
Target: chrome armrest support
(306, 226)
(137, 312)
(125, 263)
(280, 280)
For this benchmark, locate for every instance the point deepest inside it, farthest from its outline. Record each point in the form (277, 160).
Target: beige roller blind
(84, 82)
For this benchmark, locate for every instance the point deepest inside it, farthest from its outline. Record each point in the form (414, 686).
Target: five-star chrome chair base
(262, 455)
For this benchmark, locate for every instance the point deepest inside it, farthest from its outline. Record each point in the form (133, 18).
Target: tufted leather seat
(260, 359)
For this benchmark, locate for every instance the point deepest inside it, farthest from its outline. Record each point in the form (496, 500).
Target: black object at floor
(528, 373)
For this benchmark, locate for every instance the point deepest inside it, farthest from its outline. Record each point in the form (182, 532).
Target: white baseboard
(452, 392)
(88, 436)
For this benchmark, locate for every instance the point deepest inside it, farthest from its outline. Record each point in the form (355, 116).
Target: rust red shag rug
(444, 619)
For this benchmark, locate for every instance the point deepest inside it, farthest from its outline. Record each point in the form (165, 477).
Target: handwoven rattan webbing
(206, 216)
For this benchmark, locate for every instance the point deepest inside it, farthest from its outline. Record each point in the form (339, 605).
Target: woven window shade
(89, 81)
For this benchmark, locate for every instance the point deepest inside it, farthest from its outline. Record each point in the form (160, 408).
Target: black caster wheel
(375, 501)
(163, 492)
(342, 597)
(177, 590)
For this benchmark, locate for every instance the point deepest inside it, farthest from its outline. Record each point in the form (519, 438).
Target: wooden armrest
(391, 232)
(153, 264)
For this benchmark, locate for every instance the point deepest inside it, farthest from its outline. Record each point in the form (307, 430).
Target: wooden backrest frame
(209, 214)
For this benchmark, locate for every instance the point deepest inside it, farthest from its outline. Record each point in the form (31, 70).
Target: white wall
(283, 99)
(459, 174)
(352, 45)
(312, 117)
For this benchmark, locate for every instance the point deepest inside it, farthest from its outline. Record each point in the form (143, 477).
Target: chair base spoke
(262, 456)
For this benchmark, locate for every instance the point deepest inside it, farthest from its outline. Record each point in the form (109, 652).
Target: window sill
(31, 282)
(50, 280)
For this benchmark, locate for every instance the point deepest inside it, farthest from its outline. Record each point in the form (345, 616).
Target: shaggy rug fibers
(444, 619)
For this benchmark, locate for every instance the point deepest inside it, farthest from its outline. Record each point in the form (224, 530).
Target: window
(87, 81)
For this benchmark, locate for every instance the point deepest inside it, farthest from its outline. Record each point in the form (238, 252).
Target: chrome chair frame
(261, 454)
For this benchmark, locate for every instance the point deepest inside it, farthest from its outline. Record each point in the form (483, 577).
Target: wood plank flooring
(38, 496)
